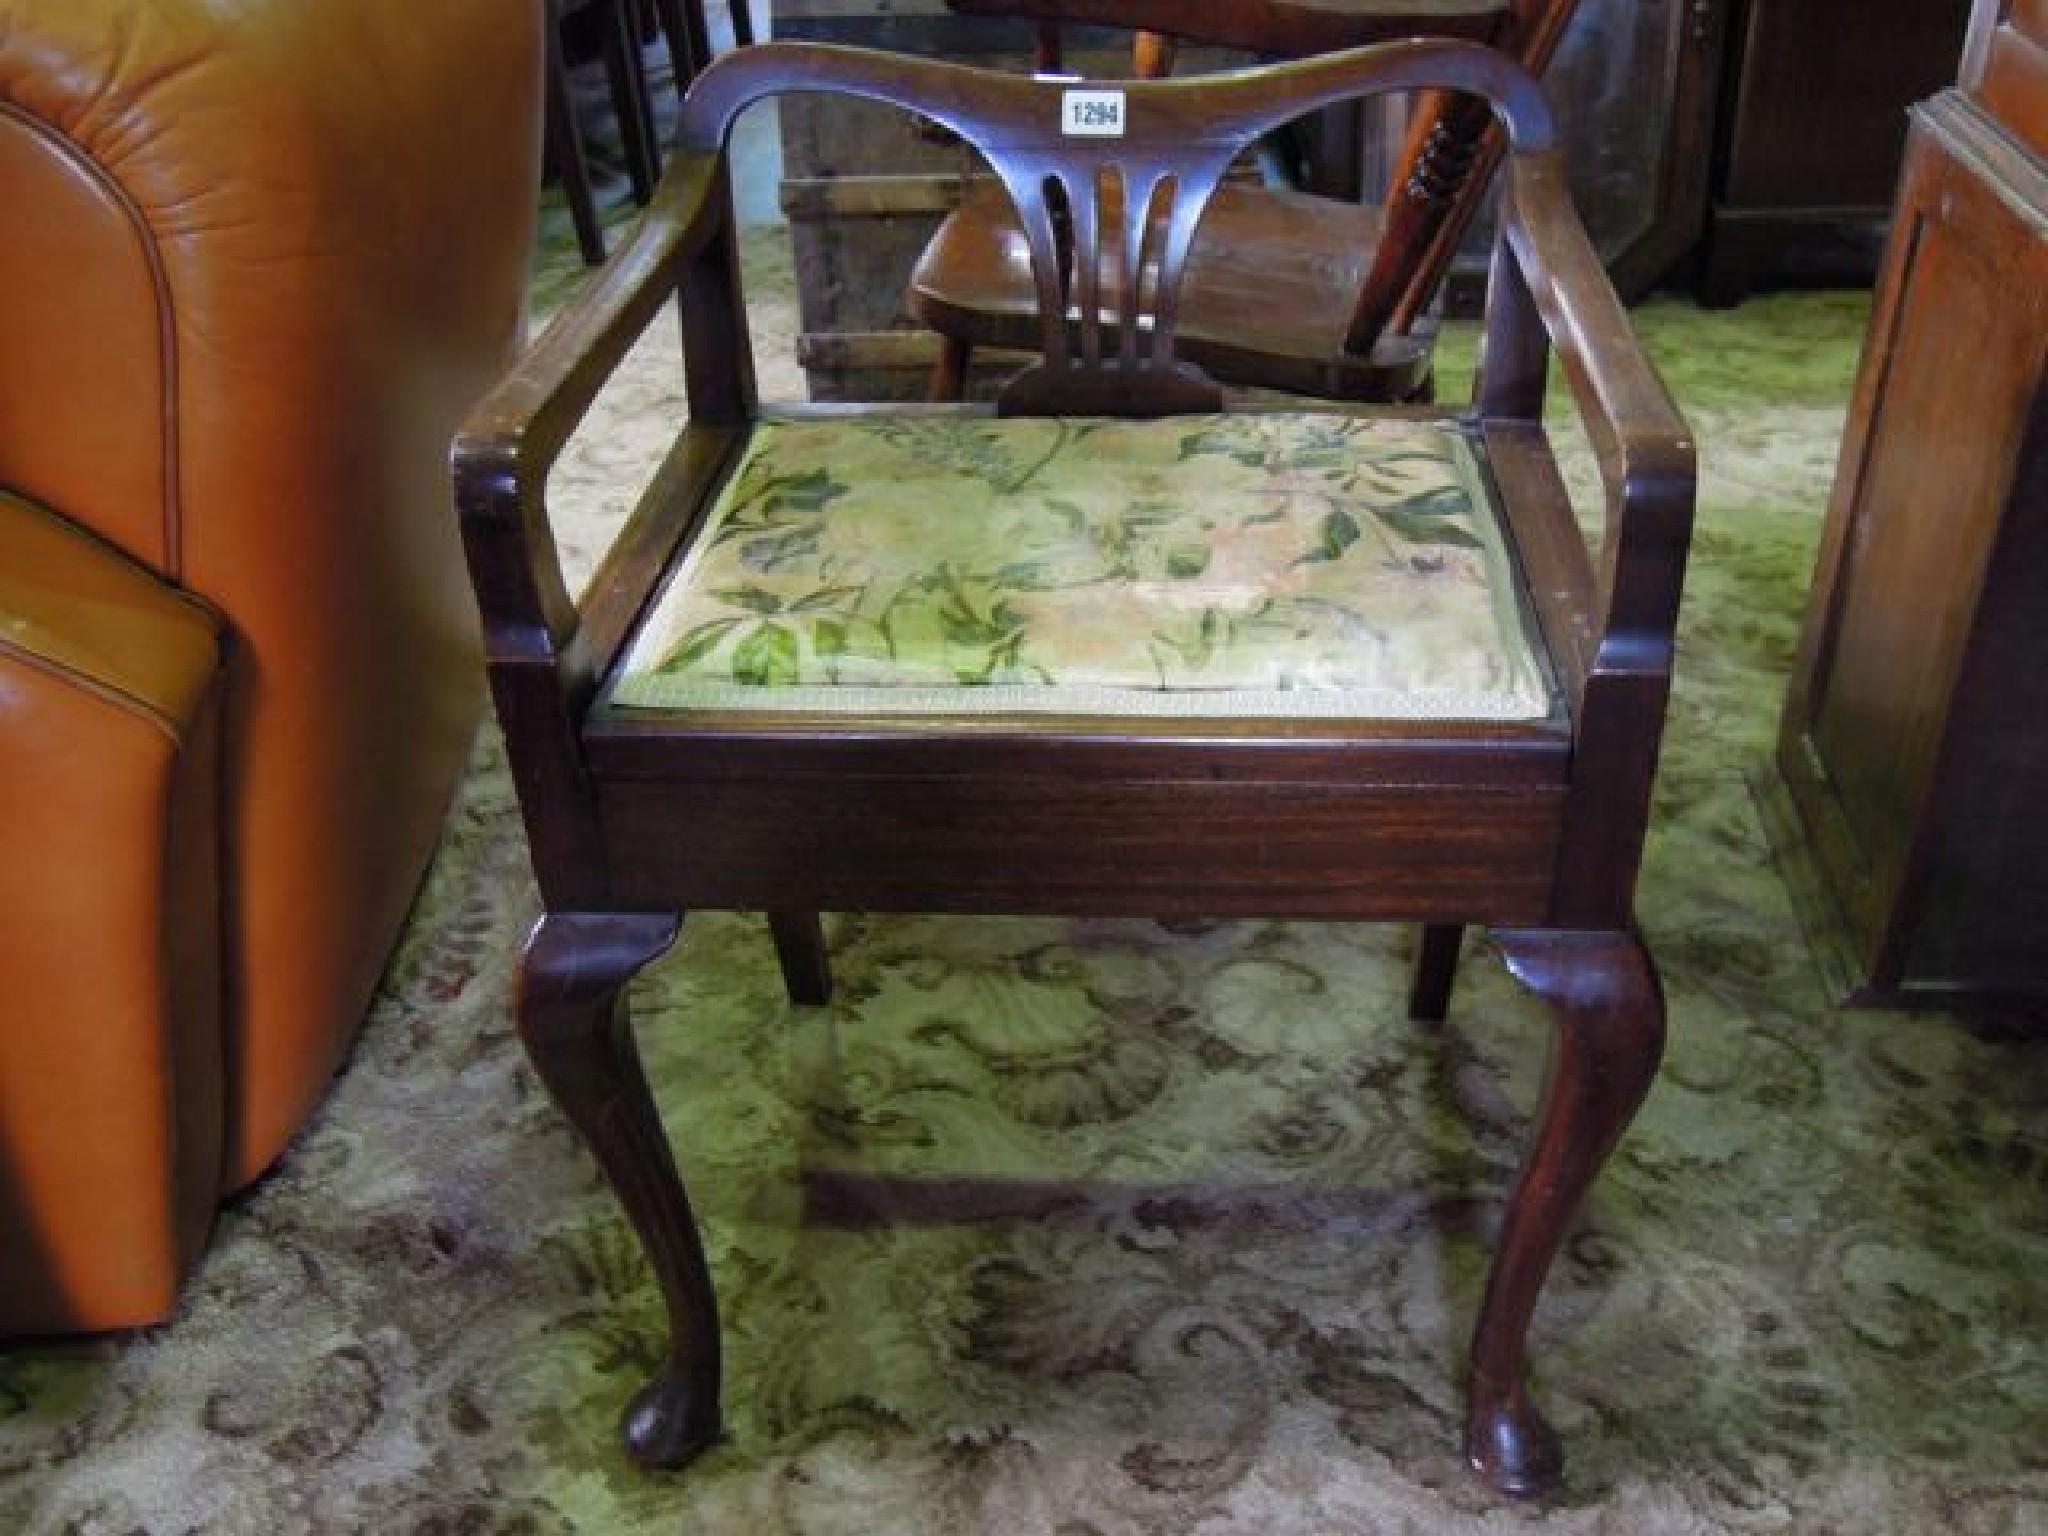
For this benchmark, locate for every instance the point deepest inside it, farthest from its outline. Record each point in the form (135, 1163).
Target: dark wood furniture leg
(949, 370)
(627, 74)
(574, 1023)
(800, 947)
(682, 52)
(689, 41)
(565, 149)
(1608, 1007)
(1436, 965)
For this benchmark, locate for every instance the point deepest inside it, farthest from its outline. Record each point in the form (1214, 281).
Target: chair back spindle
(1450, 155)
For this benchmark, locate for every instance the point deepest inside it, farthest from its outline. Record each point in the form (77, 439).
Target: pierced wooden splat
(1129, 245)
(1109, 201)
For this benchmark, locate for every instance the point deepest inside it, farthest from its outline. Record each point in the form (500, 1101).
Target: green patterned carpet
(1095, 1229)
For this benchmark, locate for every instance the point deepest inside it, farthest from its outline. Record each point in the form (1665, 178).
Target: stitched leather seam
(105, 548)
(167, 348)
(99, 688)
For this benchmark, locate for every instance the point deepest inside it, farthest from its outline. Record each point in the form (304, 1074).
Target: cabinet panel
(1817, 120)
(1809, 130)
(1992, 852)
(1914, 745)
(1923, 508)
(2006, 66)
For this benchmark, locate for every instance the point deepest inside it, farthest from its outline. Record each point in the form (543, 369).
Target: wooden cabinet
(1809, 132)
(1914, 748)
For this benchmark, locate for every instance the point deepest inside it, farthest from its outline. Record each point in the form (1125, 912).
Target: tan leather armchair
(255, 262)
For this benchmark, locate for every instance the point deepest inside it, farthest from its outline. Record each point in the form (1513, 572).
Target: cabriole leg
(573, 1021)
(1608, 1011)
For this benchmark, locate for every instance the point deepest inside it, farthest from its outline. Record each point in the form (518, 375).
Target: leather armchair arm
(111, 1033)
(88, 619)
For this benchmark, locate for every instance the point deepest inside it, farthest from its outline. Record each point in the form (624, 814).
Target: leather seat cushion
(1283, 564)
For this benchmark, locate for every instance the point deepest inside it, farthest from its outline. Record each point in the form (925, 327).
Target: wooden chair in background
(621, 26)
(1283, 290)
(853, 660)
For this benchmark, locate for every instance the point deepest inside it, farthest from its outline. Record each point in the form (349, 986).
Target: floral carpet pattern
(1099, 1229)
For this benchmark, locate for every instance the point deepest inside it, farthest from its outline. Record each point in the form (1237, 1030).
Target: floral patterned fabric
(1276, 564)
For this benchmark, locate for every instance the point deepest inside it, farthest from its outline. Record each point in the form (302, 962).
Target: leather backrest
(84, 336)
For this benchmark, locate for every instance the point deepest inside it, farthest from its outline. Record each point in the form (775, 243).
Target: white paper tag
(1092, 114)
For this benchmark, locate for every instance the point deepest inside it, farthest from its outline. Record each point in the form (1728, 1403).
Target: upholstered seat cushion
(1267, 564)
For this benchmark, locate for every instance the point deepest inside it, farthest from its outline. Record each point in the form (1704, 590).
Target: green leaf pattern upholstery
(1266, 564)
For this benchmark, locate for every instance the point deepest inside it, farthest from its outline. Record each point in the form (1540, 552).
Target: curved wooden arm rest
(1648, 463)
(523, 422)
(1288, 27)
(510, 441)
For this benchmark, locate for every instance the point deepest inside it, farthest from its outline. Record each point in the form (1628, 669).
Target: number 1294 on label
(1092, 114)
